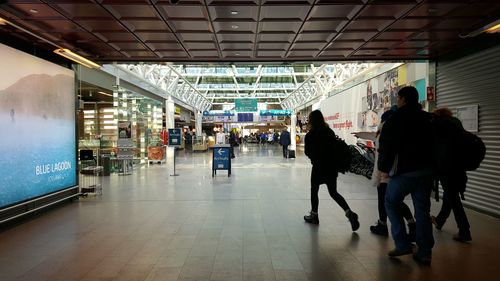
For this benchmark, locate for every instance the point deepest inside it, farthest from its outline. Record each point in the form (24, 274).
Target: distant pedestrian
(285, 142)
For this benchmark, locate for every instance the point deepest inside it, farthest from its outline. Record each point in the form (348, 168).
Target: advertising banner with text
(37, 120)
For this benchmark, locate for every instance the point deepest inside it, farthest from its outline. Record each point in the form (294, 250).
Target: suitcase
(291, 153)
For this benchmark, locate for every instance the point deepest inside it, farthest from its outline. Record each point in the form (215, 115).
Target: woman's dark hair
(316, 120)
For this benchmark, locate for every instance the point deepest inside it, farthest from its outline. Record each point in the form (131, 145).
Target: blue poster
(37, 121)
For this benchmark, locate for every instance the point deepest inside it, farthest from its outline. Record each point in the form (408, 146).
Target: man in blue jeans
(405, 154)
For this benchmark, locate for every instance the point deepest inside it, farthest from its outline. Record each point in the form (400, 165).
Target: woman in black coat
(320, 148)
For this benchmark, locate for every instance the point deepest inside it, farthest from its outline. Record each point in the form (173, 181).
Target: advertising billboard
(37, 123)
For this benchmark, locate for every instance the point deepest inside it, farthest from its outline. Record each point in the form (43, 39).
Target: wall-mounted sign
(468, 116)
(430, 94)
(245, 105)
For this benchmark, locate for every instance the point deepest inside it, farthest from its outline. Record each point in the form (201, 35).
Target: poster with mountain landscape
(37, 125)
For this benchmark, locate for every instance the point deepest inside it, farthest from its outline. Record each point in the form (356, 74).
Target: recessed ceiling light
(34, 11)
(234, 26)
(3, 21)
(237, 54)
(234, 12)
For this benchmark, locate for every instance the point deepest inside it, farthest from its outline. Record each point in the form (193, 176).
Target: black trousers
(404, 210)
(319, 177)
(452, 185)
(285, 151)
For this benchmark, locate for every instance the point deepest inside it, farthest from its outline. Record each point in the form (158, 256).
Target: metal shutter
(469, 80)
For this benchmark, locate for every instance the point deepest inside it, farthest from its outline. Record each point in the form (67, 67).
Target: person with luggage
(320, 148)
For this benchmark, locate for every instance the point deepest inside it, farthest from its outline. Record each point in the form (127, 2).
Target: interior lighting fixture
(234, 26)
(3, 21)
(34, 11)
(493, 27)
(76, 58)
(234, 13)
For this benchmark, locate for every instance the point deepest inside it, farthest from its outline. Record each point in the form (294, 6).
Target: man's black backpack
(473, 151)
(342, 156)
(456, 148)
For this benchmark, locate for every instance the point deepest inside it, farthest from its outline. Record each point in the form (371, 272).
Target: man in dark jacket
(405, 154)
(285, 142)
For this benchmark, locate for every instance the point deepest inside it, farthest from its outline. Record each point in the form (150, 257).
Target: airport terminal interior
(166, 139)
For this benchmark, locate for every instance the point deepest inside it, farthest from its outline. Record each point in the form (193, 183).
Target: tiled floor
(151, 226)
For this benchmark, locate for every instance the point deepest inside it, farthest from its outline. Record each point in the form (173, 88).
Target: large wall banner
(358, 109)
(37, 121)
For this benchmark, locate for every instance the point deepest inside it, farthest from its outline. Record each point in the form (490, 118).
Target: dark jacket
(407, 136)
(319, 147)
(285, 138)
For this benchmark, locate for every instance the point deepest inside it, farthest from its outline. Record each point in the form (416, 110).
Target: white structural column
(170, 111)
(170, 123)
(198, 119)
(293, 131)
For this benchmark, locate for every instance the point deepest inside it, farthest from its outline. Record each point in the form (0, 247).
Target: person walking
(380, 228)
(405, 154)
(453, 178)
(320, 148)
(285, 141)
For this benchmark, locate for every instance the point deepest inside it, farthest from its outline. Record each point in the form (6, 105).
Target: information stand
(174, 140)
(221, 158)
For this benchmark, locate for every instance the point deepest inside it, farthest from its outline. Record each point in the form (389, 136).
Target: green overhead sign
(245, 105)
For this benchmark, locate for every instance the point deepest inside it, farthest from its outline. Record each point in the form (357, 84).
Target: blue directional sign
(174, 137)
(221, 159)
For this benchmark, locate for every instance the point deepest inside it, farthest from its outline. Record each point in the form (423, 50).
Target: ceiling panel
(366, 24)
(190, 26)
(165, 46)
(84, 10)
(330, 26)
(315, 36)
(226, 13)
(237, 54)
(271, 53)
(386, 10)
(308, 46)
(37, 11)
(156, 36)
(133, 11)
(334, 11)
(280, 26)
(235, 27)
(284, 12)
(187, 12)
(288, 37)
(199, 45)
(243, 30)
(204, 53)
(274, 45)
(236, 46)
